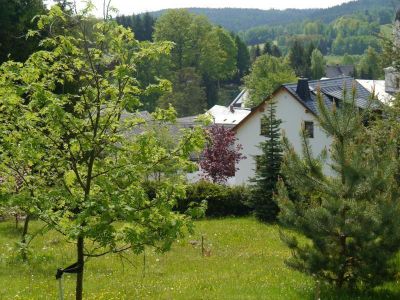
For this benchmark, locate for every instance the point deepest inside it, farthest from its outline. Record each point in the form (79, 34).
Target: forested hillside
(361, 23)
(239, 19)
(236, 19)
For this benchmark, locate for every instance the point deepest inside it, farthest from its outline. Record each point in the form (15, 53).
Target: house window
(309, 128)
(264, 126)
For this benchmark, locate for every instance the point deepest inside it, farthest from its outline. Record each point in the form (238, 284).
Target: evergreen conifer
(349, 212)
(268, 168)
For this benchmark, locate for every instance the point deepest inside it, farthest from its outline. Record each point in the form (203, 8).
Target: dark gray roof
(189, 121)
(334, 71)
(331, 89)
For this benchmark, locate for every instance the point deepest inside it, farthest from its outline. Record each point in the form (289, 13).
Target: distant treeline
(351, 34)
(238, 19)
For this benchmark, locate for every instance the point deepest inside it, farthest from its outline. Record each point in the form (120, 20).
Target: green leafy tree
(198, 44)
(73, 99)
(369, 66)
(347, 60)
(185, 82)
(351, 218)
(266, 75)
(307, 59)
(218, 55)
(268, 169)
(175, 27)
(15, 22)
(21, 163)
(318, 64)
(243, 58)
(217, 62)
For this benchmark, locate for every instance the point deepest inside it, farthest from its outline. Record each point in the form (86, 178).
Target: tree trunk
(16, 221)
(79, 277)
(23, 238)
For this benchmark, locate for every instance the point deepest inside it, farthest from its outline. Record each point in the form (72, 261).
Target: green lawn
(246, 262)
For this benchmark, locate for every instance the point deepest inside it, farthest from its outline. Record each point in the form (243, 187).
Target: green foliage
(267, 74)
(348, 60)
(268, 169)
(209, 50)
(221, 200)
(255, 51)
(299, 58)
(185, 82)
(15, 22)
(244, 20)
(141, 25)
(243, 58)
(369, 66)
(318, 64)
(351, 218)
(354, 44)
(335, 31)
(267, 48)
(71, 101)
(218, 55)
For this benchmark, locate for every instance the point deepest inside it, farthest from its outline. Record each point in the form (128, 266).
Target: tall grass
(246, 261)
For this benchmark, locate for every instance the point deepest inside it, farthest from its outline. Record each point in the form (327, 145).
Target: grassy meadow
(246, 261)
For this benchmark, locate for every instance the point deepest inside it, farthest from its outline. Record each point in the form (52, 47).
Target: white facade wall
(292, 114)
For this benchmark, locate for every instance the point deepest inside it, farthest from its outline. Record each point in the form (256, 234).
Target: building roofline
(283, 87)
(257, 108)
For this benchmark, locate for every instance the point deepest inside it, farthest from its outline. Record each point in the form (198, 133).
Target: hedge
(221, 200)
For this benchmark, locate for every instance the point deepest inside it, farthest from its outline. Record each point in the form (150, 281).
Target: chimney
(303, 90)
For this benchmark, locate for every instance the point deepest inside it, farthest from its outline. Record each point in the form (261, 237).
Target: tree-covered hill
(237, 19)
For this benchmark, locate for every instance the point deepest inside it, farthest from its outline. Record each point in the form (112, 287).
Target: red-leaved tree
(219, 159)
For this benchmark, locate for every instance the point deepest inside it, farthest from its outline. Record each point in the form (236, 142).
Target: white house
(296, 106)
(378, 88)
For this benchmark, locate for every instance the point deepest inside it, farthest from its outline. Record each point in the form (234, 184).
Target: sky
(138, 6)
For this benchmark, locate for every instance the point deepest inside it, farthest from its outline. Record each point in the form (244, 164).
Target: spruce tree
(267, 48)
(275, 51)
(349, 210)
(268, 168)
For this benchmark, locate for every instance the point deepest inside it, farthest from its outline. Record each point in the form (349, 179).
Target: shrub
(221, 200)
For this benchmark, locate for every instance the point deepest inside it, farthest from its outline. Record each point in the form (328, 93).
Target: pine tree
(275, 51)
(352, 216)
(243, 58)
(267, 48)
(148, 27)
(255, 52)
(268, 168)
